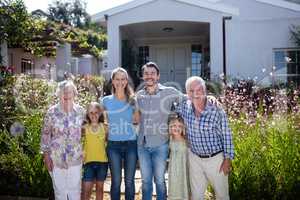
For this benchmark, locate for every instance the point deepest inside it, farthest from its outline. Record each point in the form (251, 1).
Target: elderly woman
(60, 143)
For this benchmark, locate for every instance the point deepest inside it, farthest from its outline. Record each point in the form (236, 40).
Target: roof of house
(215, 5)
(209, 4)
(288, 4)
(294, 1)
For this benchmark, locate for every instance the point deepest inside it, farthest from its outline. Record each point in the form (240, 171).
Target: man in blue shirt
(210, 141)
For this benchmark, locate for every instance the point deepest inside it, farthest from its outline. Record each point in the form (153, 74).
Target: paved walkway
(138, 184)
(138, 188)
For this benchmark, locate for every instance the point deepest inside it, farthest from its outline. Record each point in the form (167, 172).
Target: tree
(79, 16)
(16, 26)
(295, 34)
(69, 12)
(40, 36)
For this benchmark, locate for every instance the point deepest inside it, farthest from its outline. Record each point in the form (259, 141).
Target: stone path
(138, 188)
(138, 184)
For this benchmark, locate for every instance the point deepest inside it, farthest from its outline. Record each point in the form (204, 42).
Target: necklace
(95, 128)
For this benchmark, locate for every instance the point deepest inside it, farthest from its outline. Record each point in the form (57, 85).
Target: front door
(173, 64)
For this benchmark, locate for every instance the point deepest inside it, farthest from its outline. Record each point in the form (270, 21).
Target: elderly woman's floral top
(61, 136)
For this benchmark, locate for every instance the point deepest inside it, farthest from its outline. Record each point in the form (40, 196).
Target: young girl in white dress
(178, 174)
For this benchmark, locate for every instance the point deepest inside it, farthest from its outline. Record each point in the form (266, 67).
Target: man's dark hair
(151, 64)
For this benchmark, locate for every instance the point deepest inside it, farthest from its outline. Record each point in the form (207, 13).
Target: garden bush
(265, 125)
(267, 159)
(21, 166)
(25, 101)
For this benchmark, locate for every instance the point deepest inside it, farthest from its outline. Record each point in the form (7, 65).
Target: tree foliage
(295, 34)
(69, 12)
(39, 32)
(16, 25)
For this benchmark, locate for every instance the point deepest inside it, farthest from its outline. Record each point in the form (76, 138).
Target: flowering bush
(265, 125)
(248, 101)
(266, 164)
(24, 101)
(22, 170)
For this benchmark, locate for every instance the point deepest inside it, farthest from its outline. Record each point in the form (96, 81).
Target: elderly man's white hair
(197, 79)
(63, 85)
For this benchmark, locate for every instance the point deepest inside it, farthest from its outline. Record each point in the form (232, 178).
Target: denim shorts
(95, 171)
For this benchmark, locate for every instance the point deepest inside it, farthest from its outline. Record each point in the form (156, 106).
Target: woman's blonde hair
(128, 89)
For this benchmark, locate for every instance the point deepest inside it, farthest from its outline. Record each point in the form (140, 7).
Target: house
(235, 38)
(27, 63)
(53, 67)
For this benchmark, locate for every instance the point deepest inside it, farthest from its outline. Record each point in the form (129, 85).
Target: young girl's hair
(99, 108)
(173, 117)
(128, 89)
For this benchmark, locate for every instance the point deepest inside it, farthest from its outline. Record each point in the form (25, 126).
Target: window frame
(290, 77)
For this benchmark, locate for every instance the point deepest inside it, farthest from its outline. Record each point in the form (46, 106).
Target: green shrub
(22, 170)
(267, 159)
(25, 100)
(32, 94)
(266, 164)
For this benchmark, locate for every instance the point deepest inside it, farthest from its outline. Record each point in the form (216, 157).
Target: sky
(93, 6)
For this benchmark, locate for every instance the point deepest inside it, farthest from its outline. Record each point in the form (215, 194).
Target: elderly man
(60, 143)
(210, 141)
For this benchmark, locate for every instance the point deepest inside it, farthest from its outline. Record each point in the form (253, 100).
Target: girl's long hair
(99, 108)
(173, 117)
(128, 89)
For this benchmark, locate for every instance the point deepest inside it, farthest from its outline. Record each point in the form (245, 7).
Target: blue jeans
(153, 162)
(118, 151)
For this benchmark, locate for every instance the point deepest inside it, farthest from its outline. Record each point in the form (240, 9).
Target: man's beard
(150, 82)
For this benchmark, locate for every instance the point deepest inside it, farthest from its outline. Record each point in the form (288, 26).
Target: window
(196, 60)
(26, 66)
(287, 64)
(143, 55)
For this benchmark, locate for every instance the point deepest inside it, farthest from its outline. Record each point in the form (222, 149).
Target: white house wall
(41, 70)
(166, 10)
(17, 54)
(88, 65)
(173, 40)
(252, 36)
(254, 10)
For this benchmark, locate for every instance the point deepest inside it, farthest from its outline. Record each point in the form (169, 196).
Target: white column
(74, 65)
(216, 49)
(113, 48)
(63, 60)
(85, 65)
(4, 53)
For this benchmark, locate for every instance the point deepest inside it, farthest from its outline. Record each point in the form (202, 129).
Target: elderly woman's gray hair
(197, 79)
(64, 85)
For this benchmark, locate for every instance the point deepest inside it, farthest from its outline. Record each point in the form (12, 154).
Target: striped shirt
(209, 133)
